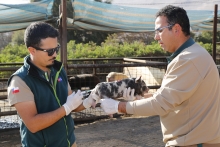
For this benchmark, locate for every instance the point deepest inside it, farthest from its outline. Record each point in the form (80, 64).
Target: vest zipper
(58, 101)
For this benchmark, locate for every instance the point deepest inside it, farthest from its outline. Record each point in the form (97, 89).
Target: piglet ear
(138, 79)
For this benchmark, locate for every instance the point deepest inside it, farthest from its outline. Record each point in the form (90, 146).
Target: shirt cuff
(141, 107)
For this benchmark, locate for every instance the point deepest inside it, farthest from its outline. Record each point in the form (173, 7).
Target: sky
(14, 1)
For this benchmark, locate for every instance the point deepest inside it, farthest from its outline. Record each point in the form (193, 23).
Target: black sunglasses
(51, 51)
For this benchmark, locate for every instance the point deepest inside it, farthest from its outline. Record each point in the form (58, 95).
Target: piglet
(115, 89)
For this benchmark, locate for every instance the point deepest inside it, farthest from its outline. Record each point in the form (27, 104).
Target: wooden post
(60, 32)
(64, 34)
(214, 33)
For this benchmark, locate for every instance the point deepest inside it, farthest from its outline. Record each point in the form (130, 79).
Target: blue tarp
(92, 15)
(19, 16)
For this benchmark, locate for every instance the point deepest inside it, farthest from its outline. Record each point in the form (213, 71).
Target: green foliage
(111, 49)
(207, 46)
(207, 36)
(18, 37)
(13, 53)
(154, 49)
(55, 9)
(192, 34)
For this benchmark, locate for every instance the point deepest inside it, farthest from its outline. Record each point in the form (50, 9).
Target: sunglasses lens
(51, 51)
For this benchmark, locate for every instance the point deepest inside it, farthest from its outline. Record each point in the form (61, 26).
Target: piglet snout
(95, 98)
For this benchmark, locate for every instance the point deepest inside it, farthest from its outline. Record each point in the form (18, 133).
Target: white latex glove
(110, 106)
(91, 100)
(128, 94)
(73, 101)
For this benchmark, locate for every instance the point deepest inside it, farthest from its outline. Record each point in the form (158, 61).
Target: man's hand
(73, 101)
(91, 100)
(110, 106)
(128, 94)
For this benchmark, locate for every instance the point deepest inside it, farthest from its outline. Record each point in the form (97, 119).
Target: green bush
(110, 49)
(207, 46)
(13, 53)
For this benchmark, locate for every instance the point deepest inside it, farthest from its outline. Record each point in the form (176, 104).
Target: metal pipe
(14, 64)
(3, 97)
(114, 65)
(141, 61)
(3, 79)
(117, 58)
(3, 90)
(8, 113)
(9, 68)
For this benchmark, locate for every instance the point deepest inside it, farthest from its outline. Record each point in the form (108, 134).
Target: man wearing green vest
(188, 101)
(41, 94)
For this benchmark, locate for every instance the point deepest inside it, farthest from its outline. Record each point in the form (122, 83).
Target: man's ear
(31, 50)
(177, 28)
(138, 79)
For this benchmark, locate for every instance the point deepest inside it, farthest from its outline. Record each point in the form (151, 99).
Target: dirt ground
(115, 132)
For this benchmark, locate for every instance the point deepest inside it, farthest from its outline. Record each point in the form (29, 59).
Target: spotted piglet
(115, 89)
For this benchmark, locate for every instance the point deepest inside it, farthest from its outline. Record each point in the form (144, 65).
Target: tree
(146, 37)
(13, 53)
(18, 37)
(5, 38)
(80, 36)
(206, 37)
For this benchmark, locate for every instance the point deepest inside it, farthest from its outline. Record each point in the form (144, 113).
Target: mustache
(54, 58)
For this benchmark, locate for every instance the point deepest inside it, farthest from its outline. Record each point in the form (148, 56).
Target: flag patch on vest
(15, 90)
(59, 79)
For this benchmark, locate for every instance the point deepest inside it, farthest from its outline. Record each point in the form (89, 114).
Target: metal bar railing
(139, 61)
(114, 65)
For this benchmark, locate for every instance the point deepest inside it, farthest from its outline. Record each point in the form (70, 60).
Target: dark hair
(176, 15)
(37, 31)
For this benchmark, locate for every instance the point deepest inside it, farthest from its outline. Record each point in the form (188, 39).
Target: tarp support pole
(60, 32)
(63, 35)
(214, 33)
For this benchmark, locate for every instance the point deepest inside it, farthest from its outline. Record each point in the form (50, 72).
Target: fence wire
(87, 73)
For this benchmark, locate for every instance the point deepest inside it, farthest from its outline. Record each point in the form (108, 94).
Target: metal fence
(150, 68)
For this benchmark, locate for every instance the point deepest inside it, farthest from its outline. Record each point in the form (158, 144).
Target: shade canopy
(92, 15)
(19, 16)
(115, 17)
